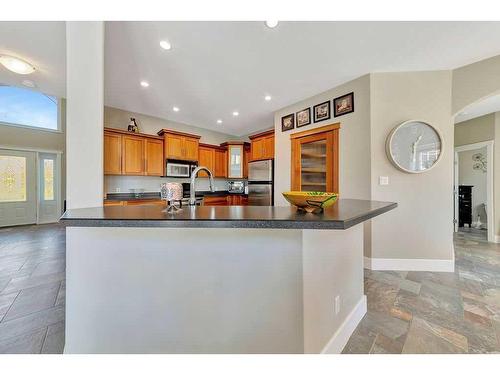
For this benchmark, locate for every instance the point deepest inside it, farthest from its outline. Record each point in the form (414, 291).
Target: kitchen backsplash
(152, 184)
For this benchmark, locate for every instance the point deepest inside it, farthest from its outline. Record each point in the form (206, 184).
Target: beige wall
(422, 225)
(474, 82)
(354, 141)
(119, 119)
(476, 130)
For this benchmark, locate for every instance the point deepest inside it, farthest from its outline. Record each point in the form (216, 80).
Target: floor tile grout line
(44, 338)
(12, 304)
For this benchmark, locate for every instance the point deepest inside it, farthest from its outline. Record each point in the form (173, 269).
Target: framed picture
(321, 111)
(287, 122)
(303, 117)
(343, 104)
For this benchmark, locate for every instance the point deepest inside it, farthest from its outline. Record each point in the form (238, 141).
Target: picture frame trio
(341, 106)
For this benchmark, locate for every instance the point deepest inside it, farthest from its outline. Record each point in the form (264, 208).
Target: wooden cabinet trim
(125, 132)
(261, 134)
(162, 132)
(321, 129)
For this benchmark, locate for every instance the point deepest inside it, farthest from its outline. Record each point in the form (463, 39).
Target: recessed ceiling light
(144, 84)
(16, 65)
(28, 83)
(219, 121)
(165, 45)
(271, 24)
(236, 113)
(176, 109)
(267, 98)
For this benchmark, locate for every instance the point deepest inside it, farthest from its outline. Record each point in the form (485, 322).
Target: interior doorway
(30, 187)
(473, 187)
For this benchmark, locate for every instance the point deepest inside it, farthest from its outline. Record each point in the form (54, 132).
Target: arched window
(23, 107)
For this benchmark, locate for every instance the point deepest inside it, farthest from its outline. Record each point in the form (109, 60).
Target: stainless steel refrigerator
(260, 183)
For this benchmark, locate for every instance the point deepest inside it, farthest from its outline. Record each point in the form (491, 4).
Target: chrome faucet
(192, 194)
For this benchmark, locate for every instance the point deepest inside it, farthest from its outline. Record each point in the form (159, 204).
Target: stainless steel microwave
(179, 169)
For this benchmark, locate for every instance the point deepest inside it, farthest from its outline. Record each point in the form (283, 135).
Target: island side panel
(332, 266)
(165, 290)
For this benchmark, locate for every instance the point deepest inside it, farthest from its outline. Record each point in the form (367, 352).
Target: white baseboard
(431, 265)
(340, 338)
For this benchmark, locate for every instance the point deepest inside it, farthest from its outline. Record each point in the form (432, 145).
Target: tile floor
(432, 312)
(408, 312)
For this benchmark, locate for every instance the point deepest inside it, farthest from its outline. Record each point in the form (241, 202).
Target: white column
(84, 113)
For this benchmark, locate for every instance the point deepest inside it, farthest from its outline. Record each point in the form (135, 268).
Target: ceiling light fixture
(176, 109)
(165, 45)
(236, 113)
(144, 84)
(28, 83)
(219, 121)
(16, 65)
(271, 24)
(267, 98)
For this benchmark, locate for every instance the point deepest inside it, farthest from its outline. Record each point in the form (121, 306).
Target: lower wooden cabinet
(226, 200)
(138, 202)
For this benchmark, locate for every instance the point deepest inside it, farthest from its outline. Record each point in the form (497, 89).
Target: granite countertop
(154, 195)
(342, 215)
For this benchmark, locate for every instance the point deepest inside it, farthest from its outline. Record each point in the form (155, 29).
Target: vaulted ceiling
(216, 68)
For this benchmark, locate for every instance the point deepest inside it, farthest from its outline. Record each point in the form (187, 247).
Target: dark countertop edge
(229, 223)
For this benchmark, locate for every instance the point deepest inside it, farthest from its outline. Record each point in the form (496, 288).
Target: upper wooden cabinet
(126, 153)
(315, 159)
(133, 160)
(155, 163)
(220, 162)
(262, 145)
(236, 159)
(112, 153)
(214, 158)
(180, 146)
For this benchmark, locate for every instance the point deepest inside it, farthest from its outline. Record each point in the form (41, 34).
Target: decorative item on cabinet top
(132, 126)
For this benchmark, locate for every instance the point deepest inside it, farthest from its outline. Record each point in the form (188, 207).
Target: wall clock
(414, 146)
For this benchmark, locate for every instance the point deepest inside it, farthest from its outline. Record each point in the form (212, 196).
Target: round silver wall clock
(414, 146)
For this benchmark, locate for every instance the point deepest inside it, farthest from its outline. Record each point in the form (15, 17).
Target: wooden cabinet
(236, 159)
(262, 145)
(155, 165)
(247, 158)
(133, 155)
(220, 162)
(315, 159)
(180, 146)
(206, 158)
(215, 200)
(112, 153)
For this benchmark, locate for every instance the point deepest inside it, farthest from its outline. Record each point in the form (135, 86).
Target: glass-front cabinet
(237, 155)
(315, 160)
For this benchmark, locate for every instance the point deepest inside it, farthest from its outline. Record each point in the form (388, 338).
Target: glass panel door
(49, 200)
(313, 166)
(17, 188)
(235, 162)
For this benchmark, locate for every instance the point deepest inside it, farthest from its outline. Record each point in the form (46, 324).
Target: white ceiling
(43, 44)
(215, 68)
(484, 107)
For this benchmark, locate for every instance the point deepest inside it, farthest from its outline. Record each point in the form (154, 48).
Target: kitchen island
(238, 279)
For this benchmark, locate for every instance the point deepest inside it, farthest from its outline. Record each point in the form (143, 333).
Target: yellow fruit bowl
(310, 201)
